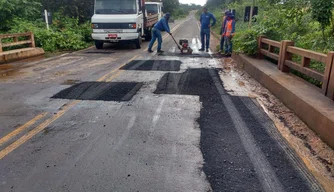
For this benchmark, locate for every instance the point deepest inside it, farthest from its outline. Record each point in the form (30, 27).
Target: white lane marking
(170, 167)
(157, 114)
(266, 174)
(199, 44)
(194, 40)
(172, 49)
(126, 133)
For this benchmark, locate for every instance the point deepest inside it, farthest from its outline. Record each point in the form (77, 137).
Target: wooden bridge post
(328, 86)
(259, 46)
(32, 39)
(284, 55)
(328, 69)
(0, 45)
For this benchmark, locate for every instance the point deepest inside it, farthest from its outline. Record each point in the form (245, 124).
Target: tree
(170, 5)
(295, 10)
(81, 9)
(322, 12)
(9, 10)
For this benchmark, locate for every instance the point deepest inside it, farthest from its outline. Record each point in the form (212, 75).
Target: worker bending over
(162, 25)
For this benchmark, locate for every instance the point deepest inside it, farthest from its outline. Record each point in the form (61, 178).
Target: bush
(48, 40)
(10, 10)
(246, 42)
(64, 34)
(70, 40)
(179, 13)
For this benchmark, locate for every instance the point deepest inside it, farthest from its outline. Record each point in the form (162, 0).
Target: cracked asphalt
(121, 119)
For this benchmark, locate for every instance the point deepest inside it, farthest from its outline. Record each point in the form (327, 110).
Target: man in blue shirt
(162, 25)
(205, 20)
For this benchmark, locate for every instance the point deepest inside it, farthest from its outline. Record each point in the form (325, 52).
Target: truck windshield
(151, 8)
(115, 7)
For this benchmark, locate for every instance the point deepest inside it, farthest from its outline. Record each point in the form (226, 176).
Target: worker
(221, 31)
(162, 25)
(228, 33)
(206, 24)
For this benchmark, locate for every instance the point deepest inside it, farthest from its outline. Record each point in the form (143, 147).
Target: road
(121, 119)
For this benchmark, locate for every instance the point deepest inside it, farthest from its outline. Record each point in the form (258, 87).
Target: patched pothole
(153, 65)
(103, 91)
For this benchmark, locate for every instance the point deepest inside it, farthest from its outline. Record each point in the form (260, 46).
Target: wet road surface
(121, 119)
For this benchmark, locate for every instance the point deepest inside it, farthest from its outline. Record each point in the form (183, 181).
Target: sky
(199, 2)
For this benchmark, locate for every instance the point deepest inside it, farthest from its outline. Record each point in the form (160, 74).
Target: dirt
(5, 67)
(316, 154)
(242, 84)
(9, 74)
(71, 82)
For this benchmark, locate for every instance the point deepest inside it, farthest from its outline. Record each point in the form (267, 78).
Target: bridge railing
(29, 40)
(283, 53)
(270, 50)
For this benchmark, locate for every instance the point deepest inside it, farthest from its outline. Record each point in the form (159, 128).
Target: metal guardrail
(286, 51)
(30, 40)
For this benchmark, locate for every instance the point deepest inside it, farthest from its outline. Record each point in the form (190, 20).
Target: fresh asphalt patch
(153, 65)
(228, 165)
(101, 91)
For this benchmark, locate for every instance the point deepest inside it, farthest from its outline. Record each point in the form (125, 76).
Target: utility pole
(46, 19)
(251, 15)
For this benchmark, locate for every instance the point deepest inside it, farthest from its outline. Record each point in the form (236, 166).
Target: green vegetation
(310, 24)
(183, 10)
(70, 29)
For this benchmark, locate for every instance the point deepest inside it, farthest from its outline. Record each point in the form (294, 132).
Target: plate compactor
(183, 46)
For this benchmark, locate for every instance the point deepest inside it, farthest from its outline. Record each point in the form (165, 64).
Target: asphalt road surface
(122, 119)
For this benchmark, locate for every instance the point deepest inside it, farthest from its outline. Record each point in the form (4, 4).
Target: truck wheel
(99, 44)
(148, 37)
(138, 42)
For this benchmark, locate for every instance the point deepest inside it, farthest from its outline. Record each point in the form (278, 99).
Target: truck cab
(120, 21)
(153, 8)
(117, 21)
(153, 13)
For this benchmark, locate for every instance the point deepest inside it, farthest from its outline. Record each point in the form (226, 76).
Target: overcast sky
(200, 2)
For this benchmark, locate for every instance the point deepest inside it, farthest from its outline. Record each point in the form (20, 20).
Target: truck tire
(99, 44)
(148, 37)
(138, 42)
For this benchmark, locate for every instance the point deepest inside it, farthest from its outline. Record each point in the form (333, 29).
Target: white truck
(124, 21)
